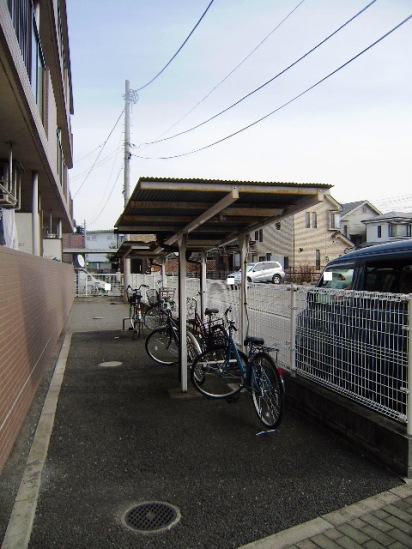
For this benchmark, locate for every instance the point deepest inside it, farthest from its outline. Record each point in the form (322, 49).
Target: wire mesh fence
(353, 343)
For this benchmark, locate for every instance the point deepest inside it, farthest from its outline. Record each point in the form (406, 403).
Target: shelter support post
(127, 274)
(243, 241)
(163, 271)
(203, 296)
(182, 243)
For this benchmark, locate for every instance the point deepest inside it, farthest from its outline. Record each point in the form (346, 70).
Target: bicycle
(136, 316)
(159, 301)
(163, 343)
(209, 333)
(224, 371)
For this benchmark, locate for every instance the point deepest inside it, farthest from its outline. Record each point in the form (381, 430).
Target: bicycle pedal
(131, 329)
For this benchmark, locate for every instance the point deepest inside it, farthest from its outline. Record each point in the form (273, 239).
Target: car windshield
(250, 267)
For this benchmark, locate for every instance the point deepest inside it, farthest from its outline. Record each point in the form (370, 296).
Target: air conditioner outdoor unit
(7, 200)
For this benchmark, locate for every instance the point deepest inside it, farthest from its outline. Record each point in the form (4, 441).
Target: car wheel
(276, 279)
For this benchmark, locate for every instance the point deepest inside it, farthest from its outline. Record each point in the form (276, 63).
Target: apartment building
(36, 151)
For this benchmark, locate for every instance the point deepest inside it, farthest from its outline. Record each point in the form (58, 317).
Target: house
(305, 240)
(353, 214)
(36, 151)
(103, 243)
(388, 227)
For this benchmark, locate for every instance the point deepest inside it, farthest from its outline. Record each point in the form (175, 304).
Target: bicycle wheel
(162, 346)
(153, 318)
(132, 318)
(217, 376)
(193, 347)
(267, 390)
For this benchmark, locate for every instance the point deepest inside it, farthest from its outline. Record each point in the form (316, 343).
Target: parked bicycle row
(218, 368)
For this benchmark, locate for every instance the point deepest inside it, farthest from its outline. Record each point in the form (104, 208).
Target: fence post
(293, 290)
(409, 372)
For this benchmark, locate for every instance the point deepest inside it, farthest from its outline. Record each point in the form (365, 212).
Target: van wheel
(276, 279)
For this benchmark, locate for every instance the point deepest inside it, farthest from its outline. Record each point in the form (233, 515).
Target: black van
(356, 342)
(380, 268)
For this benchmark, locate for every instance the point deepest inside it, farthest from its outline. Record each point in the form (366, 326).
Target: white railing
(354, 343)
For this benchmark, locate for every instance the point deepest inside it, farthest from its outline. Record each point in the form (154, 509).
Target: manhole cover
(152, 517)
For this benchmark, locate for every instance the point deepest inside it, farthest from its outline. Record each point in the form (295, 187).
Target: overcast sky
(352, 131)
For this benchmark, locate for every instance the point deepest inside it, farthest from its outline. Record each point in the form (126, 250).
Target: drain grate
(151, 517)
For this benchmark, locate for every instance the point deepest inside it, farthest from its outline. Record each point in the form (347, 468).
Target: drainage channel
(151, 517)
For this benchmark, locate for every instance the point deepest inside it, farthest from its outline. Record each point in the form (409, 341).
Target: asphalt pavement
(122, 458)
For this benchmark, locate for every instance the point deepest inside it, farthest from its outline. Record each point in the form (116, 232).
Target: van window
(339, 278)
(395, 278)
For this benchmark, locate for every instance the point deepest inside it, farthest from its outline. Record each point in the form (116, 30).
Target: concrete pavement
(118, 444)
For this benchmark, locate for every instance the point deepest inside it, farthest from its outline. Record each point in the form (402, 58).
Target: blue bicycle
(222, 372)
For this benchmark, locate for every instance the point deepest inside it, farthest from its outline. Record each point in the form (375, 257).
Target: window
(259, 235)
(311, 220)
(335, 220)
(339, 278)
(314, 220)
(382, 277)
(317, 260)
(399, 230)
(286, 262)
(268, 256)
(379, 231)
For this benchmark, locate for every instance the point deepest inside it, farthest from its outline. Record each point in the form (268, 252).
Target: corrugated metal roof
(210, 212)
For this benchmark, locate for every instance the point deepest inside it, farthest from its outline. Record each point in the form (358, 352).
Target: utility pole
(126, 185)
(129, 97)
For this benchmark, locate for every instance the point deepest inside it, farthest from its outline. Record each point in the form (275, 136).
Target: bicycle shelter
(200, 215)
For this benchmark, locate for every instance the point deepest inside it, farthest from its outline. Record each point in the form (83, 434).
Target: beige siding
(321, 237)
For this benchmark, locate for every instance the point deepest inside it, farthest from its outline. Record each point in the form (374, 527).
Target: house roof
(351, 206)
(211, 213)
(390, 216)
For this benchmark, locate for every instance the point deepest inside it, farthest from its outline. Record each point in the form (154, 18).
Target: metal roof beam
(231, 197)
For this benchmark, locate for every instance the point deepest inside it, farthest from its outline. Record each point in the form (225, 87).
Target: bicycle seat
(211, 311)
(254, 340)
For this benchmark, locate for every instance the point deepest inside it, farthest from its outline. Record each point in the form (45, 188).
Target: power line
(285, 104)
(108, 198)
(109, 178)
(98, 156)
(267, 82)
(230, 73)
(178, 51)
(98, 164)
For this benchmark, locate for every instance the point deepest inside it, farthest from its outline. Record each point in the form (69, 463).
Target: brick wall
(36, 295)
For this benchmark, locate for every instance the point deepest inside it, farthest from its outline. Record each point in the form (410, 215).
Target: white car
(262, 271)
(230, 279)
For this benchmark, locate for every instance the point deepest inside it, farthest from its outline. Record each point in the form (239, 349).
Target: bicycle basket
(215, 334)
(152, 297)
(134, 297)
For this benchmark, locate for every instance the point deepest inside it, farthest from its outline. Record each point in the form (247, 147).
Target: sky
(333, 115)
